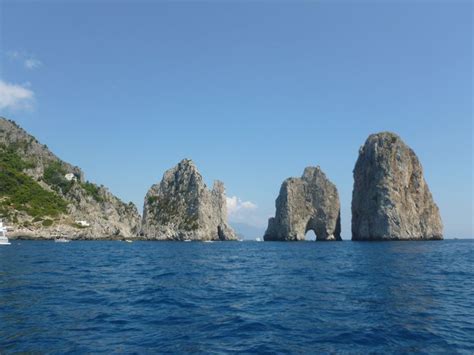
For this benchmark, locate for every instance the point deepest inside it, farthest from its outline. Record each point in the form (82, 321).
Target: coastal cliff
(42, 196)
(307, 203)
(391, 199)
(181, 207)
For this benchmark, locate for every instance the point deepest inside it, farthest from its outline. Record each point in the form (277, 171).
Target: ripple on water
(237, 297)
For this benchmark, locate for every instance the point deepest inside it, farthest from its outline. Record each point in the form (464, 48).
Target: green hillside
(18, 191)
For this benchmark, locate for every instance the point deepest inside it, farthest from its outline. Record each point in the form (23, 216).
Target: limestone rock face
(41, 196)
(391, 200)
(307, 203)
(181, 207)
(29, 148)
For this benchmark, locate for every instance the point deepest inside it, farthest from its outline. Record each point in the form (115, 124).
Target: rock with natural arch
(307, 203)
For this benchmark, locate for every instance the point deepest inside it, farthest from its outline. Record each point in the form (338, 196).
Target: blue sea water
(344, 297)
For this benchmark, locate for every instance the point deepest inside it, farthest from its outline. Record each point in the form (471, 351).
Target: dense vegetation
(152, 199)
(93, 190)
(20, 192)
(54, 176)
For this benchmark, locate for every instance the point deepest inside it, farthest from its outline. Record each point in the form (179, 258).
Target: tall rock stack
(181, 207)
(307, 203)
(224, 231)
(391, 200)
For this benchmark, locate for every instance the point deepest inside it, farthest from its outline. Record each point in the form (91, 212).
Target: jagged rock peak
(307, 203)
(391, 199)
(186, 165)
(181, 207)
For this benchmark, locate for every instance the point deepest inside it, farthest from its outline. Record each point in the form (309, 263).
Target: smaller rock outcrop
(181, 207)
(391, 200)
(307, 203)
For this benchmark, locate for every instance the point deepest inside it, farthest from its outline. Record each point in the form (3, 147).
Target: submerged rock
(181, 207)
(391, 200)
(307, 203)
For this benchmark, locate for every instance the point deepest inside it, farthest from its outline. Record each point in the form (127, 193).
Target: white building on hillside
(70, 177)
(83, 223)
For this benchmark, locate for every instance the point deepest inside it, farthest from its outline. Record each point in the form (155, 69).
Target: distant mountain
(42, 196)
(246, 231)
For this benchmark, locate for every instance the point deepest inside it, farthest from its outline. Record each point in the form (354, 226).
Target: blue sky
(253, 92)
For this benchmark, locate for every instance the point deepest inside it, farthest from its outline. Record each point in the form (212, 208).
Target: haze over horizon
(252, 92)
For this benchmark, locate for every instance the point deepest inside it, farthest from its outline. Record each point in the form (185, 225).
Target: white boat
(128, 241)
(61, 240)
(3, 235)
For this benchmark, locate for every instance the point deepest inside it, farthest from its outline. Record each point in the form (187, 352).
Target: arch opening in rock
(220, 233)
(310, 235)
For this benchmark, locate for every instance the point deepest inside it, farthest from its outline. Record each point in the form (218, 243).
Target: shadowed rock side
(391, 200)
(307, 203)
(181, 207)
(42, 196)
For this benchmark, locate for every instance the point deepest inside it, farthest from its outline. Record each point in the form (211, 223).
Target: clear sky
(253, 92)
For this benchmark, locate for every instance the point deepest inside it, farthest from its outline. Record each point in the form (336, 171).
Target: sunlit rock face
(391, 200)
(181, 207)
(307, 203)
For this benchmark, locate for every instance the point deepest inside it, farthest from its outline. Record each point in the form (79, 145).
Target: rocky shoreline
(43, 197)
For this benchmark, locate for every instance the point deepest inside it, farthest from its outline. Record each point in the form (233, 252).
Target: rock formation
(181, 207)
(391, 200)
(307, 203)
(42, 196)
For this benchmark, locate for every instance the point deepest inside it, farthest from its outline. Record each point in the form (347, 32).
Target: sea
(246, 297)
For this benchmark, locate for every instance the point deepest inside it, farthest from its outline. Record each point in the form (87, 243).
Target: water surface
(243, 297)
